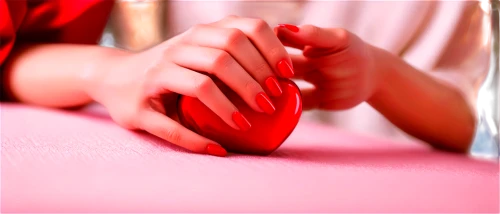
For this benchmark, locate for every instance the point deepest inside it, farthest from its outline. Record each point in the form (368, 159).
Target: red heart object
(268, 132)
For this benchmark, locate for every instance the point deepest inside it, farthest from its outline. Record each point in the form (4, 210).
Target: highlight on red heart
(268, 132)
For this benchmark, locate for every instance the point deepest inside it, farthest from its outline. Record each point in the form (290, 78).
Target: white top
(431, 35)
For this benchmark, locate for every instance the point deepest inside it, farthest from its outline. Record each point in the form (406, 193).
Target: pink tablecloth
(54, 161)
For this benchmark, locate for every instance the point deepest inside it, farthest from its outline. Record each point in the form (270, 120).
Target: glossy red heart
(268, 132)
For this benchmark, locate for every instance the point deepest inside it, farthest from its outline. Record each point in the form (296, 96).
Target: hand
(140, 89)
(338, 63)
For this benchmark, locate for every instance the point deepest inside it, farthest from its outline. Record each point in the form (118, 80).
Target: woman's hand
(347, 71)
(338, 63)
(140, 89)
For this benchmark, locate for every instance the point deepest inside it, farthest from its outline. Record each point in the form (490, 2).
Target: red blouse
(51, 21)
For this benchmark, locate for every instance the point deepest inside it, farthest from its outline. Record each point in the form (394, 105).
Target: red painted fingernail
(241, 121)
(265, 103)
(273, 86)
(290, 27)
(285, 69)
(216, 150)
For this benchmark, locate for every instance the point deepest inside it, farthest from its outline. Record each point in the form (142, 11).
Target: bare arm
(424, 106)
(347, 71)
(52, 75)
(445, 99)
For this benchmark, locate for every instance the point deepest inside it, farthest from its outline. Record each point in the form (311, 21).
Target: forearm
(136, 25)
(52, 75)
(422, 105)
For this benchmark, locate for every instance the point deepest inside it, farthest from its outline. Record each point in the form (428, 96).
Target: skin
(242, 53)
(346, 71)
(461, 121)
(149, 82)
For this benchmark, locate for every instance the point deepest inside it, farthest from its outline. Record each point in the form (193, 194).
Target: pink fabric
(56, 161)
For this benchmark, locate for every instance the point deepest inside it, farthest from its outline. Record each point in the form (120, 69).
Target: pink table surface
(56, 161)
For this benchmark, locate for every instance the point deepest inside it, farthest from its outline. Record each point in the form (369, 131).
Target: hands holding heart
(267, 132)
(226, 85)
(339, 65)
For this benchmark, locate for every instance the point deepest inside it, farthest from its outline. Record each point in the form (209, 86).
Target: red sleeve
(12, 13)
(51, 21)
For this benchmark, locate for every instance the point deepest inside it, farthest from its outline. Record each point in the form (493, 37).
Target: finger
(292, 45)
(221, 64)
(329, 94)
(286, 42)
(310, 35)
(190, 83)
(237, 44)
(317, 98)
(310, 99)
(332, 85)
(171, 131)
(301, 65)
(264, 39)
(332, 75)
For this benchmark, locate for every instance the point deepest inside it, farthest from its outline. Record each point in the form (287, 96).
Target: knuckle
(127, 117)
(341, 74)
(233, 38)
(172, 134)
(275, 51)
(199, 27)
(167, 51)
(259, 25)
(252, 86)
(343, 35)
(195, 28)
(127, 122)
(314, 31)
(231, 17)
(202, 84)
(262, 68)
(221, 61)
(151, 73)
(168, 48)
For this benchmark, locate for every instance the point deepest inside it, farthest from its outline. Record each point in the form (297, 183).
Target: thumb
(310, 35)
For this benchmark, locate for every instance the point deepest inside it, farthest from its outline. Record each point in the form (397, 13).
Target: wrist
(384, 70)
(97, 70)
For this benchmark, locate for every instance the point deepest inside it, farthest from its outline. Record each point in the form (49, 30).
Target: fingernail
(273, 86)
(290, 27)
(241, 121)
(216, 150)
(265, 103)
(285, 69)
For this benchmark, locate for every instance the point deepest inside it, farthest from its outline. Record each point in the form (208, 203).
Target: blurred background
(149, 29)
(487, 140)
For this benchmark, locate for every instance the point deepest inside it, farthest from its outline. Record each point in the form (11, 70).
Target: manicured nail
(216, 150)
(273, 86)
(292, 28)
(265, 103)
(241, 121)
(285, 69)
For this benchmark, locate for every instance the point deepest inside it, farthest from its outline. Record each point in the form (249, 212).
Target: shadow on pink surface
(60, 161)
(379, 157)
